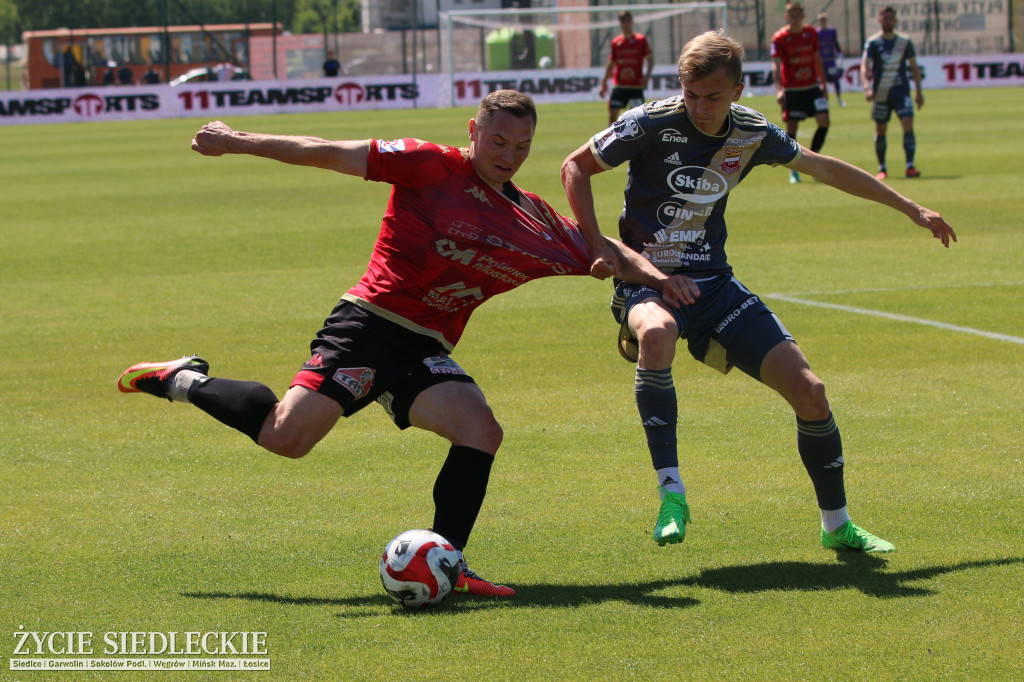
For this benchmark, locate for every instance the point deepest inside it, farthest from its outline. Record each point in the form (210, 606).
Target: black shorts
(727, 326)
(801, 104)
(359, 358)
(622, 96)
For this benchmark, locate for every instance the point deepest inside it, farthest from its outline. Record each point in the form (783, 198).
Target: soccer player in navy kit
(685, 154)
(888, 56)
(457, 231)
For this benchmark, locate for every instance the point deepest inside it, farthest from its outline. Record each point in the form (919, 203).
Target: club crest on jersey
(357, 380)
(731, 162)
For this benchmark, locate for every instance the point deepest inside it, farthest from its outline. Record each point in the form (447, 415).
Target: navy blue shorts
(727, 326)
(897, 101)
(359, 358)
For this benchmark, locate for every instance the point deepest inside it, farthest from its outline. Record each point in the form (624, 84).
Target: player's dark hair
(887, 9)
(519, 104)
(625, 14)
(709, 52)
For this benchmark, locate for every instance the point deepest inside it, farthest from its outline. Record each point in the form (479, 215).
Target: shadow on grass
(858, 571)
(863, 572)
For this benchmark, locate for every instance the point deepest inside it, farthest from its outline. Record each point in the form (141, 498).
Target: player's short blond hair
(709, 52)
(519, 104)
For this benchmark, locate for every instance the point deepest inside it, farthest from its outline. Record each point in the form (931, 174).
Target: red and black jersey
(449, 241)
(796, 53)
(628, 55)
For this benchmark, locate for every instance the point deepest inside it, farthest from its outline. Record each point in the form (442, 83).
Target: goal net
(566, 38)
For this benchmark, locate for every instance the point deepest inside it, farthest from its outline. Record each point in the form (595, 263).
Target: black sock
(818, 141)
(242, 405)
(821, 450)
(459, 493)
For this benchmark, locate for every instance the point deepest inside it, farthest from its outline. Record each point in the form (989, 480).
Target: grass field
(124, 513)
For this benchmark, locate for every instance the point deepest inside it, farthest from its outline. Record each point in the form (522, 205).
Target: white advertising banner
(217, 100)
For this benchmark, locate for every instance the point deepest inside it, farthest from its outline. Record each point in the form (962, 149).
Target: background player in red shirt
(456, 232)
(800, 85)
(629, 67)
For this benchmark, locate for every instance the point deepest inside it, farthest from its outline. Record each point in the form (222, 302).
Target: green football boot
(672, 519)
(855, 539)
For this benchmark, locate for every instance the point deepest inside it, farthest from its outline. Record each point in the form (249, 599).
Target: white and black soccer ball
(419, 568)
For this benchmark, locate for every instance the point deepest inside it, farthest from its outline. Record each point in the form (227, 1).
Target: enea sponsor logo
(86, 105)
(697, 184)
(672, 135)
(353, 94)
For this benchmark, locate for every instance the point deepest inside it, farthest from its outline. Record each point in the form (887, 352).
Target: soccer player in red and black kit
(456, 232)
(800, 85)
(629, 67)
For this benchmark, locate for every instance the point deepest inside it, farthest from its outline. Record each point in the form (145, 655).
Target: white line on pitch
(900, 318)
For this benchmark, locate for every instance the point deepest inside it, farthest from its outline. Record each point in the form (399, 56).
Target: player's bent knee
(485, 434)
(811, 403)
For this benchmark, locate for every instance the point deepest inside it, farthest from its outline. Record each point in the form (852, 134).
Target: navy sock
(656, 401)
(818, 141)
(821, 450)
(459, 493)
(909, 147)
(242, 405)
(880, 149)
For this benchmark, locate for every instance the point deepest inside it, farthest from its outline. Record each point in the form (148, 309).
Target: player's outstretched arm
(577, 169)
(344, 156)
(853, 180)
(675, 290)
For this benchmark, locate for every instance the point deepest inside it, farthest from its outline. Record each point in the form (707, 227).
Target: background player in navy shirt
(685, 155)
(888, 58)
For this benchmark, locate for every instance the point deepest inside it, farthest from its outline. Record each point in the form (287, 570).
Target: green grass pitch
(123, 513)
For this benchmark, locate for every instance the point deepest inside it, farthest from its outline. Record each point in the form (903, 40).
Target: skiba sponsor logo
(358, 380)
(697, 184)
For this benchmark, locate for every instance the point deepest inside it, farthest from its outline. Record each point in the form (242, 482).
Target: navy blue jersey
(887, 59)
(680, 179)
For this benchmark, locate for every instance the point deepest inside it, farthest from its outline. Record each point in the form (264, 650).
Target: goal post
(566, 39)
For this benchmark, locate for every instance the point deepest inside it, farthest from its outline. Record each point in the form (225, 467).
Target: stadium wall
(233, 98)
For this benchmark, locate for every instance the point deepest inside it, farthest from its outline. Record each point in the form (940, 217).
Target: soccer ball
(419, 568)
(544, 62)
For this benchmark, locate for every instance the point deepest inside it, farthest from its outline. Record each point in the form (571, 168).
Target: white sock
(670, 481)
(834, 518)
(182, 382)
